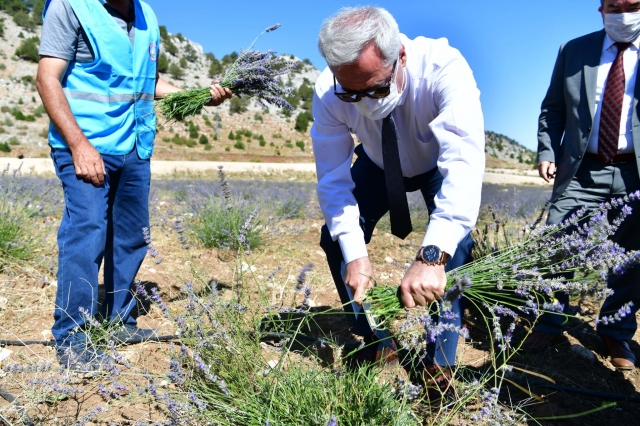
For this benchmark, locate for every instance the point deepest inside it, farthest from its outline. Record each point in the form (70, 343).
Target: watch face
(431, 254)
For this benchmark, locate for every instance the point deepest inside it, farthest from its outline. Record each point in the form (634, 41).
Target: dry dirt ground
(26, 309)
(240, 164)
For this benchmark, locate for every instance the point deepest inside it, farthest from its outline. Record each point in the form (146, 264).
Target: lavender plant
(254, 74)
(521, 278)
(23, 201)
(225, 374)
(227, 223)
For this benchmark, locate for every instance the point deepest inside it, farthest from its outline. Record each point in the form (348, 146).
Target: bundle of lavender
(253, 74)
(575, 256)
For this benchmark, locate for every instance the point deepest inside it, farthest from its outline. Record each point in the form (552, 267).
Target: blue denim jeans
(100, 224)
(369, 184)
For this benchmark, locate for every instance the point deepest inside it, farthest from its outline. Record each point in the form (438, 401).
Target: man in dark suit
(589, 140)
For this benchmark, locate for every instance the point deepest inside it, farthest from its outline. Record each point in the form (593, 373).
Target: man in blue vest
(98, 79)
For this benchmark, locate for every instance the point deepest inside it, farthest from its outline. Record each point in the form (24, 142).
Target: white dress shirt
(439, 123)
(630, 61)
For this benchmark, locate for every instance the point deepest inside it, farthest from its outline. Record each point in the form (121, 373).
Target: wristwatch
(432, 255)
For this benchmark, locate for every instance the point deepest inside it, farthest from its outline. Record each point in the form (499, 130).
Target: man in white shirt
(589, 141)
(423, 89)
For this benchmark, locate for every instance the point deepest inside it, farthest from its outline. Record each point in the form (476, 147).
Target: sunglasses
(377, 93)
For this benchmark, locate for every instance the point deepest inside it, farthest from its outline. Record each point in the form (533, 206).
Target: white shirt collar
(609, 42)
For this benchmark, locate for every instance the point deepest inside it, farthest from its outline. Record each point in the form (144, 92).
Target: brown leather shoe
(377, 352)
(621, 356)
(437, 381)
(537, 341)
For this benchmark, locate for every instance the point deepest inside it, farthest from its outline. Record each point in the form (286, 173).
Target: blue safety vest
(111, 98)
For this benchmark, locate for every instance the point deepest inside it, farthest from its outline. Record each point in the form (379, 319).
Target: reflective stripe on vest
(111, 98)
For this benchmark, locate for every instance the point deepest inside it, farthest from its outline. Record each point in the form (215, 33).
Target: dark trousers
(596, 183)
(370, 193)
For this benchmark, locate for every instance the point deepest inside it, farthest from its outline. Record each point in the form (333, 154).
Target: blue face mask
(622, 27)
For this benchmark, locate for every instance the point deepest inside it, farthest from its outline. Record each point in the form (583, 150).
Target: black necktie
(396, 194)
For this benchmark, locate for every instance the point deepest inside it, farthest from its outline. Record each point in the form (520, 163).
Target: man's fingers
(542, 170)
(552, 170)
(359, 295)
(407, 300)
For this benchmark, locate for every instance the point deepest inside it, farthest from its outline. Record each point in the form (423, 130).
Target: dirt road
(164, 168)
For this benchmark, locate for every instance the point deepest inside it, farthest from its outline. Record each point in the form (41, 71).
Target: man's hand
(359, 277)
(422, 284)
(88, 163)
(218, 94)
(547, 170)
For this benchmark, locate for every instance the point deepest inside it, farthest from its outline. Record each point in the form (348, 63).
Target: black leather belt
(620, 158)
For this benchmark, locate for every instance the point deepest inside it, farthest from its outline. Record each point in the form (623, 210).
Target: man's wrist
(432, 255)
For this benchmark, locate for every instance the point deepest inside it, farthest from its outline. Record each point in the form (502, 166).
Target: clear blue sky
(511, 45)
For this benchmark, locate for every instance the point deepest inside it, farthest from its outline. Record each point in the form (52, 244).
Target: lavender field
(256, 335)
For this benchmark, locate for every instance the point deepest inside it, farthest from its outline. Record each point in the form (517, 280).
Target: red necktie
(612, 108)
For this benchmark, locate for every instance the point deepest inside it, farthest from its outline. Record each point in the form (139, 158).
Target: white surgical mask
(377, 109)
(622, 27)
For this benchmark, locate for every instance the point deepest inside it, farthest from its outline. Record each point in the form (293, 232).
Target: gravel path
(163, 168)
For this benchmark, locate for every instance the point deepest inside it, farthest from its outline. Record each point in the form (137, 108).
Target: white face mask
(622, 27)
(377, 109)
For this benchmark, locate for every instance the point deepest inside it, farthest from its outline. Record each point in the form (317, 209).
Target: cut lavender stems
(523, 277)
(254, 74)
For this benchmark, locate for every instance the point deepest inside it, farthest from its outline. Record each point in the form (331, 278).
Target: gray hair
(344, 35)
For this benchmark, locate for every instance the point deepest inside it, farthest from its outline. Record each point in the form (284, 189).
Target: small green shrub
(300, 144)
(21, 18)
(164, 34)
(203, 140)
(183, 63)
(28, 50)
(39, 111)
(13, 141)
(302, 121)
(178, 140)
(262, 142)
(238, 145)
(238, 105)
(175, 71)
(171, 48)
(163, 63)
(4, 147)
(231, 135)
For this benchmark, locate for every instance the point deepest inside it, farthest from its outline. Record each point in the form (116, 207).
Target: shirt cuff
(444, 234)
(353, 246)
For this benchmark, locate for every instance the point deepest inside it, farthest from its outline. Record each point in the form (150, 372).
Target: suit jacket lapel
(592, 57)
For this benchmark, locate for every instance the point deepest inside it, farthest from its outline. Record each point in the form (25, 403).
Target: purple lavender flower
(302, 276)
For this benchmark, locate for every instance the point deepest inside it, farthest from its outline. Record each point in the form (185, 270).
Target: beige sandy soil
(163, 168)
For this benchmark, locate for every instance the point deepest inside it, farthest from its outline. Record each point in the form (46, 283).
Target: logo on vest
(152, 52)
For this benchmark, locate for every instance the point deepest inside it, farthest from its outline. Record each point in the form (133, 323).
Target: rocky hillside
(503, 151)
(236, 131)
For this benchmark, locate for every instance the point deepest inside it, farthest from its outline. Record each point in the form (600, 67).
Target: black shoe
(130, 334)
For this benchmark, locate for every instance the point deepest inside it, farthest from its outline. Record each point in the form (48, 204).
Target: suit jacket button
(579, 157)
(588, 129)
